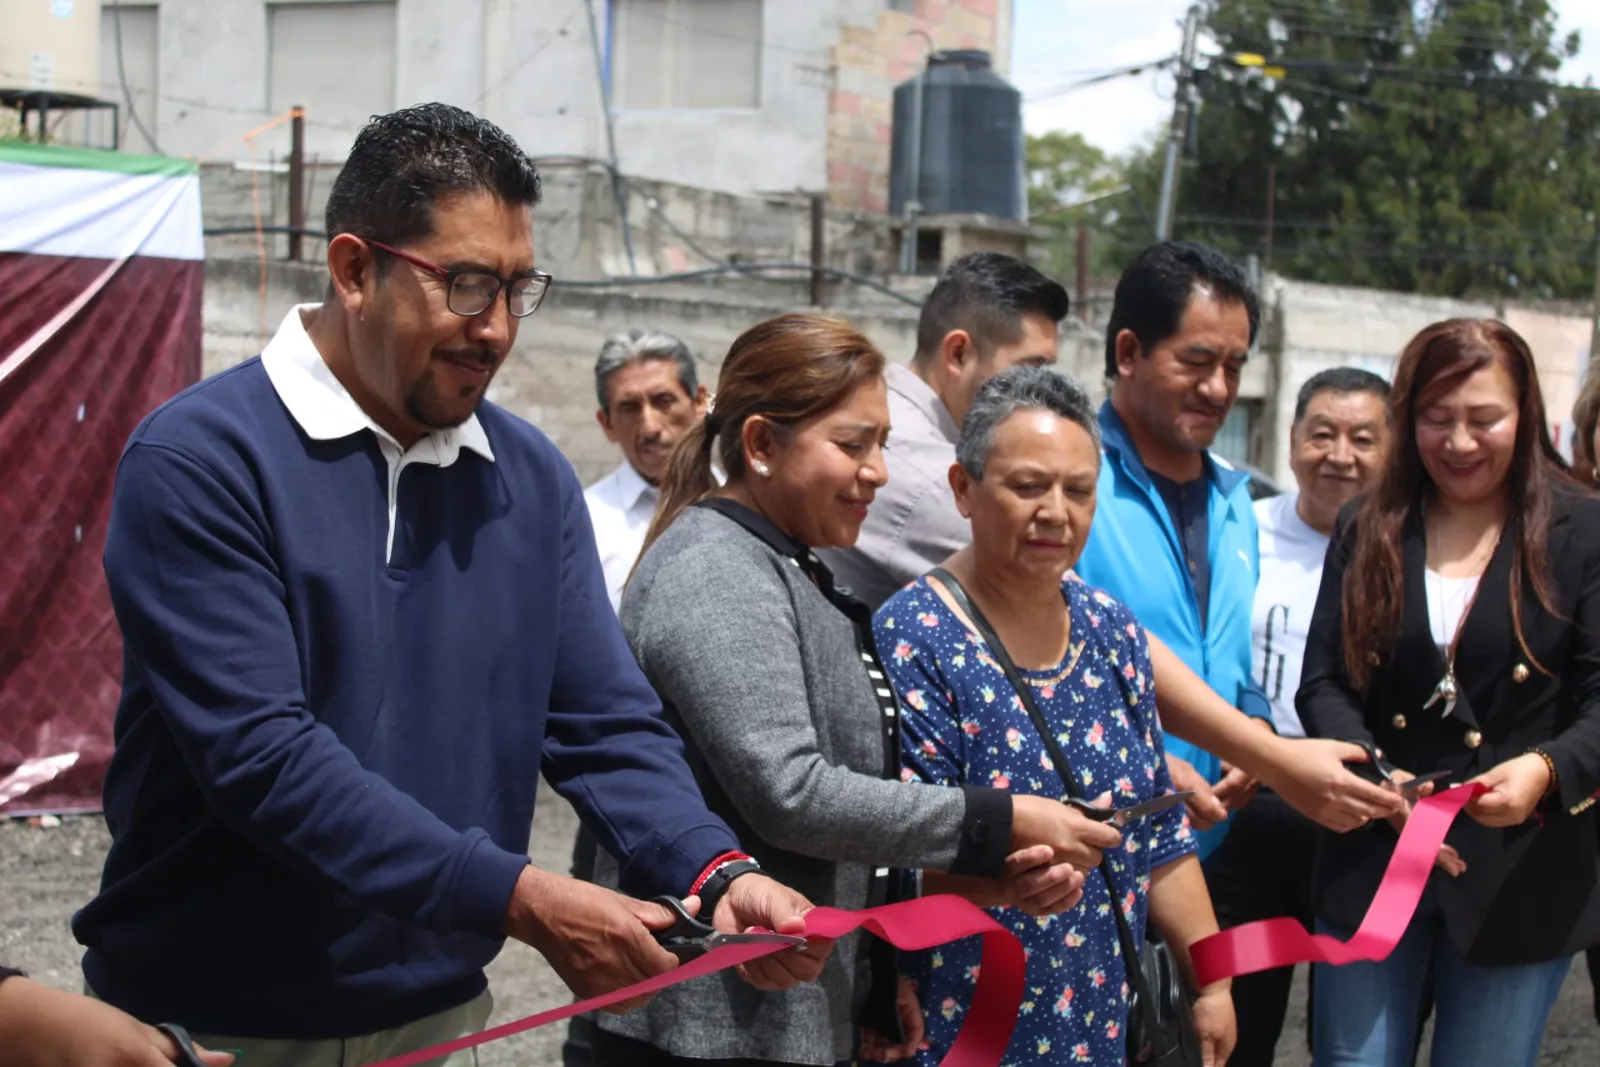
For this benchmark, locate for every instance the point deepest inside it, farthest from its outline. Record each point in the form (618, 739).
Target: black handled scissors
(1123, 816)
(188, 1055)
(688, 938)
(1380, 771)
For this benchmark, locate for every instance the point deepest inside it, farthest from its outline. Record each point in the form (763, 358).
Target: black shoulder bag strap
(1131, 955)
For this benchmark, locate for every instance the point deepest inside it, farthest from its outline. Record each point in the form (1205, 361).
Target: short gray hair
(638, 346)
(1022, 388)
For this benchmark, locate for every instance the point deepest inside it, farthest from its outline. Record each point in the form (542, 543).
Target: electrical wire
(755, 269)
(122, 77)
(744, 268)
(534, 52)
(1110, 75)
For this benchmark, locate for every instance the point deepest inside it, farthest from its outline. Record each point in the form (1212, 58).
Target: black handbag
(1160, 1026)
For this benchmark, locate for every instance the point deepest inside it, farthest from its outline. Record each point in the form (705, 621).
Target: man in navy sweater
(362, 612)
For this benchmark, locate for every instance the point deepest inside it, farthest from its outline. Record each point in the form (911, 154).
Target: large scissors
(688, 938)
(1123, 816)
(188, 1055)
(1380, 771)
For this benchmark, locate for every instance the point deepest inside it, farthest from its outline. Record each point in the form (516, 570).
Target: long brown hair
(1437, 360)
(786, 370)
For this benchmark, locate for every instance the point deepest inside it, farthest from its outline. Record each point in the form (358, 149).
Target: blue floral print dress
(963, 725)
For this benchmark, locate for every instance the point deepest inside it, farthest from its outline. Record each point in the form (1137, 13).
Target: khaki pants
(469, 1018)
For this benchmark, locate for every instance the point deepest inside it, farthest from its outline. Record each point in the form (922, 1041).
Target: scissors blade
(1121, 816)
(719, 939)
(1410, 787)
(1151, 807)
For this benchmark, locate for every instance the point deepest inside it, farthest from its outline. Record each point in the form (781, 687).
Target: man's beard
(427, 406)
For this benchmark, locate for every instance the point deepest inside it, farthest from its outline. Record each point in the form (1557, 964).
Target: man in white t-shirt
(649, 395)
(1336, 450)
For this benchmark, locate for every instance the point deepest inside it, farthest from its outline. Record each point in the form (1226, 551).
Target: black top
(1188, 504)
(1529, 893)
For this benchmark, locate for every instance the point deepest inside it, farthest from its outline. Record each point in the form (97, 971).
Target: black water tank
(972, 140)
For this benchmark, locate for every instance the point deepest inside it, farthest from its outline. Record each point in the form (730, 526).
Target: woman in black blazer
(1458, 630)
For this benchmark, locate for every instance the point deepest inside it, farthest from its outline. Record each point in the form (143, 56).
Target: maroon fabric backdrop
(65, 414)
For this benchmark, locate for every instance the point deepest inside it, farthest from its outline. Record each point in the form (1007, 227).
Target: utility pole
(1083, 270)
(618, 192)
(1594, 327)
(819, 231)
(297, 180)
(1183, 101)
(1272, 206)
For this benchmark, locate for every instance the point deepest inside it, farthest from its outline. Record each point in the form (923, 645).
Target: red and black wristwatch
(719, 874)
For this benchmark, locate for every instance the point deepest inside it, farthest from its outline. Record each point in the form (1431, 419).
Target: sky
(1062, 41)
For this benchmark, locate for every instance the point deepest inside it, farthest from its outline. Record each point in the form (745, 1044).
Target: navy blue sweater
(326, 765)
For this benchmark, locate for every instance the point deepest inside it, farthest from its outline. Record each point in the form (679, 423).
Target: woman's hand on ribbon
(1448, 860)
(754, 901)
(1515, 788)
(877, 1049)
(597, 940)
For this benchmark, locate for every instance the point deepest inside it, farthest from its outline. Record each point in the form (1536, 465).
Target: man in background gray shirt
(989, 312)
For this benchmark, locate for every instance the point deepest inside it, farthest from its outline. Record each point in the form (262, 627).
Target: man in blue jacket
(1174, 533)
(362, 612)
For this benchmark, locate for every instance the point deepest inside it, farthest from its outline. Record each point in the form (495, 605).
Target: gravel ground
(47, 873)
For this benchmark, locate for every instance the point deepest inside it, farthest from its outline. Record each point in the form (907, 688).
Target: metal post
(912, 206)
(1594, 330)
(1272, 205)
(1182, 102)
(1083, 270)
(297, 180)
(818, 251)
(618, 193)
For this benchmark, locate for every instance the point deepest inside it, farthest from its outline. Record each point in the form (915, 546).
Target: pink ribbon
(911, 925)
(1261, 946)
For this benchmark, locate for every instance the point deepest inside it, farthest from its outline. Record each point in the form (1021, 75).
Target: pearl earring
(762, 469)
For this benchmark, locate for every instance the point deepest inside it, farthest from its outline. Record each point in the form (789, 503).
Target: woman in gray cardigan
(768, 672)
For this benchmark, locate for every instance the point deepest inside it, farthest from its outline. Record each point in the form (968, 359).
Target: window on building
(685, 54)
(1237, 441)
(140, 66)
(334, 59)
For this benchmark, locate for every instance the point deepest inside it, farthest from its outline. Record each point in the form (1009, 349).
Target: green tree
(1065, 171)
(1420, 147)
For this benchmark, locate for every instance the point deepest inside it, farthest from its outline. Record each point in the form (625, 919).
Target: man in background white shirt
(1337, 447)
(649, 395)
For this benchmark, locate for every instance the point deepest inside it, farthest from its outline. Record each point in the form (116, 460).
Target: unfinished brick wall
(868, 62)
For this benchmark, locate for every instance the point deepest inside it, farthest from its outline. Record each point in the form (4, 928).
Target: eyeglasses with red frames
(472, 292)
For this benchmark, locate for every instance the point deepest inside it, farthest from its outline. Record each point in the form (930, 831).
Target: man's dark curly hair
(404, 162)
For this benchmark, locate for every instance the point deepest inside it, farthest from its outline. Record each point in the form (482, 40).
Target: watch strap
(716, 886)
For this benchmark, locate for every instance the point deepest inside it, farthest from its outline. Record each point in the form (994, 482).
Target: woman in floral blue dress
(1028, 463)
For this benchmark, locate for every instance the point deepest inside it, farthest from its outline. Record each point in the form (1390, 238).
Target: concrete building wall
(549, 378)
(206, 72)
(1310, 328)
